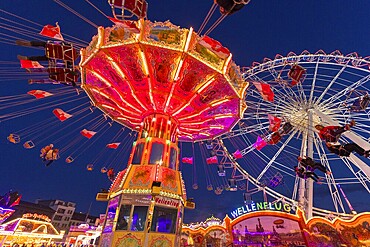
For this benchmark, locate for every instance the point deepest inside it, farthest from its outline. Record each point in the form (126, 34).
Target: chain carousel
(168, 84)
(165, 85)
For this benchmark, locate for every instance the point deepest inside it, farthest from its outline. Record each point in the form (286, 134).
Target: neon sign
(36, 216)
(5, 213)
(167, 201)
(260, 206)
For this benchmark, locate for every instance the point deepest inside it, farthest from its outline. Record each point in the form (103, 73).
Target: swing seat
(228, 7)
(209, 145)
(63, 75)
(297, 73)
(361, 103)
(276, 180)
(247, 198)
(13, 138)
(232, 184)
(69, 159)
(90, 167)
(221, 171)
(287, 127)
(275, 138)
(61, 51)
(52, 155)
(28, 144)
(135, 7)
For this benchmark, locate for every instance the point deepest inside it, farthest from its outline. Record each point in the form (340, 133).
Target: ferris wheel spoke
(362, 178)
(313, 83)
(333, 188)
(331, 83)
(346, 90)
(246, 130)
(268, 165)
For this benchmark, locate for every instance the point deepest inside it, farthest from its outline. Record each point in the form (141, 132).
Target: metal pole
(302, 182)
(309, 182)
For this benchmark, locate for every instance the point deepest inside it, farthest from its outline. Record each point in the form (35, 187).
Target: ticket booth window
(139, 218)
(123, 217)
(164, 220)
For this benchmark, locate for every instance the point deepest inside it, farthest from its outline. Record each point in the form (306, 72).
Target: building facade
(63, 212)
(81, 218)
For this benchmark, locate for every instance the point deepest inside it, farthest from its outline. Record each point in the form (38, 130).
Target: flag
(16, 202)
(187, 160)
(113, 145)
(274, 122)
(237, 154)
(87, 133)
(28, 64)
(39, 94)
(52, 32)
(212, 160)
(127, 25)
(260, 143)
(215, 47)
(265, 91)
(61, 115)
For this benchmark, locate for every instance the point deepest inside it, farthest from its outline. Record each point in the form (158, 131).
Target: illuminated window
(173, 158)
(139, 218)
(157, 153)
(164, 220)
(138, 153)
(123, 217)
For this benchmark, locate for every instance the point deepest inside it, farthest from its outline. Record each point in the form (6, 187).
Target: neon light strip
(122, 113)
(224, 116)
(219, 127)
(219, 116)
(126, 119)
(227, 63)
(145, 64)
(120, 72)
(184, 106)
(219, 102)
(205, 85)
(96, 48)
(196, 114)
(169, 97)
(146, 72)
(188, 39)
(114, 89)
(178, 69)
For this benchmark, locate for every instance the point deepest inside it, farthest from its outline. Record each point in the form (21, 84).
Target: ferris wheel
(330, 90)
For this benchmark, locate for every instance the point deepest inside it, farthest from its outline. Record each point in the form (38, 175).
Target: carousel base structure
(277, 228)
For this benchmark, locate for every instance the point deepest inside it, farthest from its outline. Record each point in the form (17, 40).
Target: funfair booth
(276, 224)
(30, 229)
